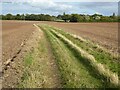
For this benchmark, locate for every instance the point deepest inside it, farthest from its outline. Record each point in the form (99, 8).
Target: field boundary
(40, 70)
(89, 41)
(100, 67)
(112, 77)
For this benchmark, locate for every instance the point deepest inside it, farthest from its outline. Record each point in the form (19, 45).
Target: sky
(55, 7)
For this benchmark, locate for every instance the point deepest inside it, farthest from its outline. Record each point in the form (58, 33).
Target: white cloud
(59, 0)
(49, 5)
(98, 13)
(86, 0)
(58, 6)
(43, 4)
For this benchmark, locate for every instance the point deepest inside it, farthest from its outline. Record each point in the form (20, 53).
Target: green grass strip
(100, 55)
(98, 66)
(74, 70)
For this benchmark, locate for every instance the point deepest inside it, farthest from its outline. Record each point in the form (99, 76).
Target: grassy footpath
(75, 70)
(40, 70)
(100, 55)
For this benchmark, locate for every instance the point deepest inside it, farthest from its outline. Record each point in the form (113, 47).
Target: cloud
(106, 8)
(43, 4)
(55, 8)
(50, 5)
(86, 0)
(61, 0)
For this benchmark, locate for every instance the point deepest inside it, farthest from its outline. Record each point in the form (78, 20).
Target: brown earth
(105, 34)
(43, 72)
(16, 33)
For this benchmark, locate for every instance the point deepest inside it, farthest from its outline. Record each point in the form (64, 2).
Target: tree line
(62, 18)
(88, 18)
(34, 17)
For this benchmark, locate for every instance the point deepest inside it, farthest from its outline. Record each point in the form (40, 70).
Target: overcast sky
(55, 7)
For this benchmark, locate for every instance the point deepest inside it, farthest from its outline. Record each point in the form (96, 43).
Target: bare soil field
(14, 36)
(105, 34)
(14, 33)
(38, 49)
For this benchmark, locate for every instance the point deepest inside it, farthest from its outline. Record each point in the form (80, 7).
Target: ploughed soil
(14, 37)
(105, 34)
(15, 34)
(19, 39)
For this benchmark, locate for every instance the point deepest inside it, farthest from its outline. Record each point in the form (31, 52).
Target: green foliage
(33, 17)
(64, 17)
(88, 18)
(28, 59)
(76, 18)
(9, 17)
(100, 55)
(76, 71)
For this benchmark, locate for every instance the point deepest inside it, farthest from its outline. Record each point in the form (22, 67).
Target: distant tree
(105, 18)
(48, 18)
(9, 17)
(118, 18)
(86, 18)
(0, 17)
(59, 16)
(22, 17)
(27, 17)
(3, 17)
(64, 14)
(65, 17)
(75, 18)
(54, 18)
(96, 17)
(113, 15)
(18, 17)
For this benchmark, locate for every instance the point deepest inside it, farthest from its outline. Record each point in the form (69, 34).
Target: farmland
(54, 54)
(105, 34)
(14, 33)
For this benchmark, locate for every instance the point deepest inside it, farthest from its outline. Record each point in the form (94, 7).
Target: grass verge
(75, 70)
(28, 60)
(100, 55)
(40, 70)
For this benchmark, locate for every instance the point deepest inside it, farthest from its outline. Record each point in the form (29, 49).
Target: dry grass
(40, 70)
(113, 78)
(100, 54)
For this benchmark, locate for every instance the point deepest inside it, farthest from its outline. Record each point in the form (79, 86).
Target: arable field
(14, 33)
(14, 36)
(105, 34)
(55, 55)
